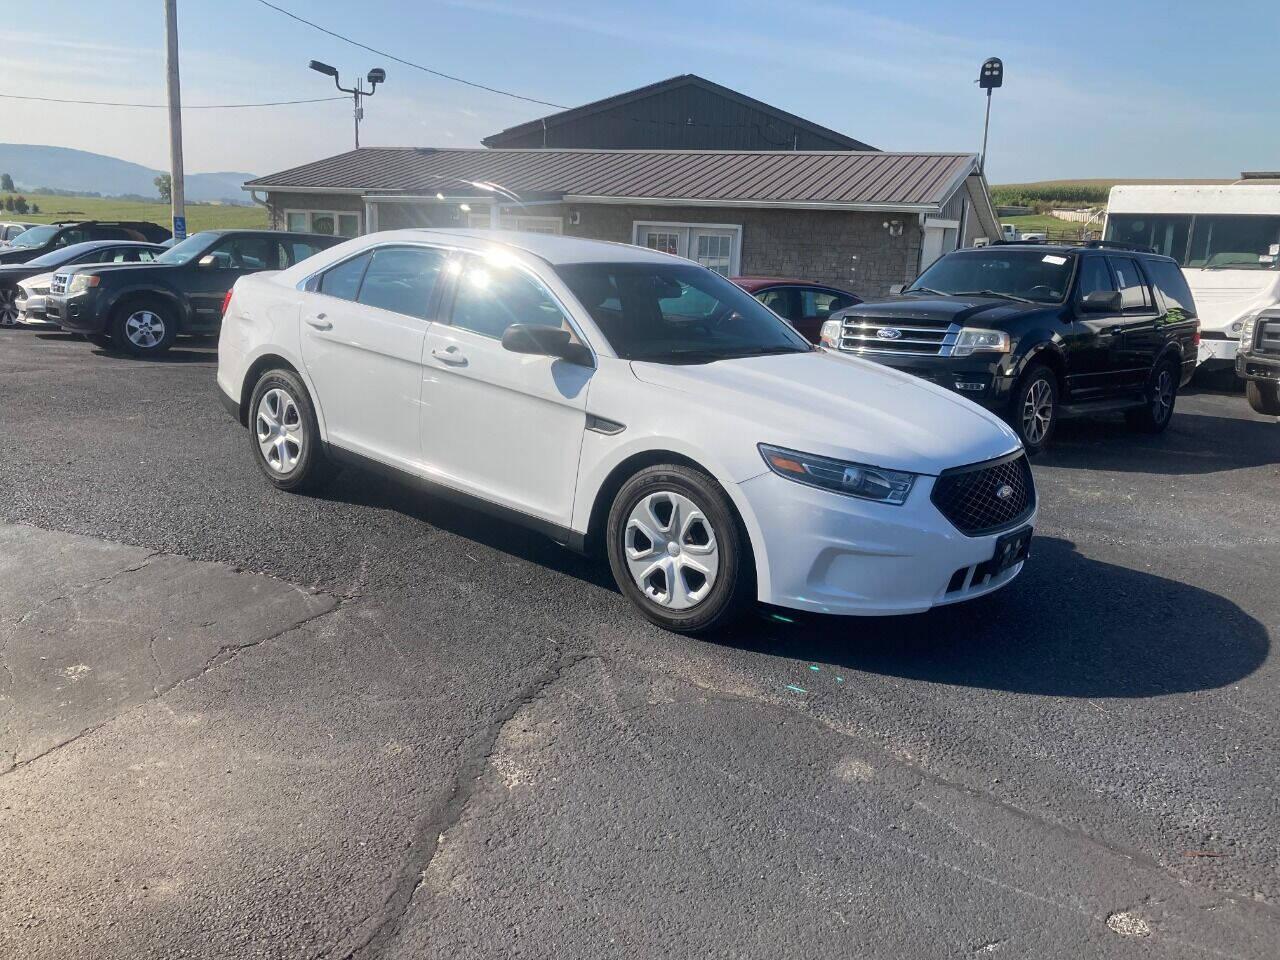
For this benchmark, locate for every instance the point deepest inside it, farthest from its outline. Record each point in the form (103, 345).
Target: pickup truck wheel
(679, 551)
(1162, 393)
(1034, 408)
(1263, 397)
(144, 328)
(285, 434)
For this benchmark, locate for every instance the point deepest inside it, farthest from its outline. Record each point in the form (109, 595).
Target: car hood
(826, 403)
(13, 272)
(966, 311)
(39, 281)
(112, 267)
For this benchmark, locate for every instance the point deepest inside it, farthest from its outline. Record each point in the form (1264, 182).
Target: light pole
(376, 76)
(989, 77)
(177, 195)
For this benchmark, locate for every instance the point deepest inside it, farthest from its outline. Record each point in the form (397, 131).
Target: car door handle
(319, 322)
(450, 355)
(1114, 331)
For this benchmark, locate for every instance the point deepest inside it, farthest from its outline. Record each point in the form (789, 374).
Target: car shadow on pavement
(1069, 626)
(1194, 444)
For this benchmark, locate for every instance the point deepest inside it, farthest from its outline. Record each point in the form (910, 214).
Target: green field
(200, 216)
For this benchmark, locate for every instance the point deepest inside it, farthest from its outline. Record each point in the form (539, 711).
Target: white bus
(1227, 239)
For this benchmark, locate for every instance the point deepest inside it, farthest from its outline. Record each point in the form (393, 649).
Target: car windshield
(188, 249)
(1032, 275)
(677, 313)
(35, 237)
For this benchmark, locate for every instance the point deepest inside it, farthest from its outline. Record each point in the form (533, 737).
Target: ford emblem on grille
(1005, 492)
(888, 333)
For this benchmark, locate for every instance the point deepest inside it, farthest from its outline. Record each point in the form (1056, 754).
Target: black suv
(1258, 361)
(140, 309)
(1038, 331)
(48, 237)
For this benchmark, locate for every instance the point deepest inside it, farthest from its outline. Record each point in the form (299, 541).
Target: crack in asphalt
(433, 825)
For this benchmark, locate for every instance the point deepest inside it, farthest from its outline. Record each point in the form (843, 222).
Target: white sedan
(30, 301)
(621, 399)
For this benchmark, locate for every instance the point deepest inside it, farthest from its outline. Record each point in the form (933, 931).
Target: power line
(410, 63)
(163, 106)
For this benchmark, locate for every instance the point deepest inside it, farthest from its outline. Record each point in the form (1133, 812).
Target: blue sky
(1094, 89)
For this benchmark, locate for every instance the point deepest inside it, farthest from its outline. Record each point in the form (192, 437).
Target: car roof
(552, 248)
(1077, 248)
(754, 284)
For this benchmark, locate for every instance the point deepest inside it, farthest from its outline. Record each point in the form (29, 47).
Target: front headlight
(82, 282)
(1247, 327)
(972, 339)
(830, 335)
(839, 476)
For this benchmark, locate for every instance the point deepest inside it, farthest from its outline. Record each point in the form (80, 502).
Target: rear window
(1172, 285)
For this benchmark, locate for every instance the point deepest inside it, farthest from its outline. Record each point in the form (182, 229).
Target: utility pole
(989, 77)
(178, 195)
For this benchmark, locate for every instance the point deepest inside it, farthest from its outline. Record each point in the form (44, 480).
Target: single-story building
(860, 219)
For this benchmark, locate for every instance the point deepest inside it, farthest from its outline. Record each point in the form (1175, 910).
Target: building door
(717, 247)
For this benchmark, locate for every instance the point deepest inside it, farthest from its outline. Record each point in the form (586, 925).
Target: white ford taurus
(620, 398)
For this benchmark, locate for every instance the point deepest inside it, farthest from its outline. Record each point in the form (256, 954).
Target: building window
(480, 221)
(332, 223)
(717, 246)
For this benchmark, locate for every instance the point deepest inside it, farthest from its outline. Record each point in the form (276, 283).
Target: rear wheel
(678, 550)
(8, 306)
(1263, 397)
(1162, 392)
(144, 328)
(1034, 407)
(285, 434)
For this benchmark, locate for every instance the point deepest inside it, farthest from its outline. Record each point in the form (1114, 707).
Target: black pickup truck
(1037, 332)
(141, 308)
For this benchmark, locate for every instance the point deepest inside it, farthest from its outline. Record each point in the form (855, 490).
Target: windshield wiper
(992, 293)
(937, 293)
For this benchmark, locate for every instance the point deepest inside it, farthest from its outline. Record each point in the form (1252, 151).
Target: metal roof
(828, 178)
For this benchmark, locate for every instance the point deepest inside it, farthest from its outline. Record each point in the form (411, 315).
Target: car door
(363, 325)
(1140, 336)
(1093, 339)
(207, 279)
(504, 426)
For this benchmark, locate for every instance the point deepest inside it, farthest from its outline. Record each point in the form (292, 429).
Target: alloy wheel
(1162, 397)
(278, 427)
(144, 328)
(1037, 411)
(8, 307)
(671, 550)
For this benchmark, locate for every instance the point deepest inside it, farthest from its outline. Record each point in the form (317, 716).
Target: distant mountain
(80, 171)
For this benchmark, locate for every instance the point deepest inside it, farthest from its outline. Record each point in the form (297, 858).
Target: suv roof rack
(1118, 245)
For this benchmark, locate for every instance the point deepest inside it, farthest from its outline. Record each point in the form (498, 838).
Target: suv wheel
(285, 434)
(8, 306)
(678, 550)
(1162, 393)
(1034, 408)
(1263, 397)
(144, 328)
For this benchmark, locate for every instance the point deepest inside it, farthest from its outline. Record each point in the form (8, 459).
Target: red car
(802, 302)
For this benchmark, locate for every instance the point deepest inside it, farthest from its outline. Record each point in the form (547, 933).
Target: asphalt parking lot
(235, 722)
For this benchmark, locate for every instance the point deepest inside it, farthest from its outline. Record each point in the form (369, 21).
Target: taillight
(1195, 339)
(226, 302)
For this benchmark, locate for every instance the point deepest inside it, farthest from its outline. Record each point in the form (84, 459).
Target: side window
(1172, 285)
(1134, 295)
(401, 279)
(822, 303)
(146, 256)
(295, 251)
(343, 281)
(245, 253)
(1094, 277)
(781, 300)
(491, 297)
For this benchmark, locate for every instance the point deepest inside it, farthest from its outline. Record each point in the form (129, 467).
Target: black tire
(305, 466)
(730, 593)
(1263, 397)
(144, 327)
(1161, 395)
(99, 339)
(8, 305)
(1033, 407)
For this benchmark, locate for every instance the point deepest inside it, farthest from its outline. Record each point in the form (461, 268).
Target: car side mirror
(546, 341)
(1101, 301)
(897, 288)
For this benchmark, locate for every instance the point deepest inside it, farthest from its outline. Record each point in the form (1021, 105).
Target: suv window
(492, 297)
(1134, 295)
(1172, 285)
(244, 253)
(343, 281)
(294, 251)
(1094, 276)
(401, 279)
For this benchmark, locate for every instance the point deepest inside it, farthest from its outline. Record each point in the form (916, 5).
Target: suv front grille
(59, 283)
(1268, 336)
(909, 336)
(970, 497)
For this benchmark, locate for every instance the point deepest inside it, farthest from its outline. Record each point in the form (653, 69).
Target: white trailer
(1226, 237)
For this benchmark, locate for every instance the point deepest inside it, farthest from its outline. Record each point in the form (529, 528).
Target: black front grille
(900, 335)
(970, 497)
(1268, 336)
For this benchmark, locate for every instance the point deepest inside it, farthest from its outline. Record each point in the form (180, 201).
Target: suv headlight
(972, 339)
(82, 282)
(839, 476)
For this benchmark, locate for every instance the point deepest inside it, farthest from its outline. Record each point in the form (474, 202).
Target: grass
(200, 216)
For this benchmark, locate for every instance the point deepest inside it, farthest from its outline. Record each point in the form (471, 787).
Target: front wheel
(1034, 407)
(1162, 392)
(678, 550)
(144, 328)
(8, 306)
(1263, 397)
(285, 434)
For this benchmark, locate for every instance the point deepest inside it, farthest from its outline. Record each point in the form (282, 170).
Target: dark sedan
(803, 303)
(90, 252)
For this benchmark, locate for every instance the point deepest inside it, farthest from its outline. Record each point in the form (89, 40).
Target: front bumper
(980, 378)
(31, 313)
(1257, 366)
(829, 553)
(77, 313)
